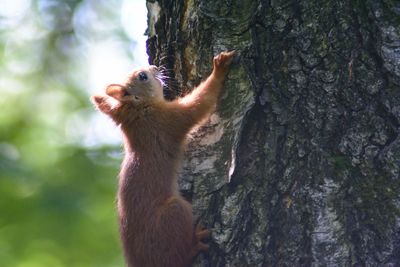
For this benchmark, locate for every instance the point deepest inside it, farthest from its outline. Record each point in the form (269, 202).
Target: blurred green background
(59, 158)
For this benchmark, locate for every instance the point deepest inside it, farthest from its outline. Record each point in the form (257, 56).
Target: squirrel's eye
(142, 76)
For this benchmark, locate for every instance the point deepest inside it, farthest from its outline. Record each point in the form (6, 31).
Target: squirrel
(155, 221)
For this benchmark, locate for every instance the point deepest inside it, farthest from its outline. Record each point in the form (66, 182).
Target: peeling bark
(300, 164)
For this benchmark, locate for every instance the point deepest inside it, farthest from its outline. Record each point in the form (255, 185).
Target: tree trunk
(300, 164)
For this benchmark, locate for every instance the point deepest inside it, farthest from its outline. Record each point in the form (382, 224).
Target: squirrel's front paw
(223, 61)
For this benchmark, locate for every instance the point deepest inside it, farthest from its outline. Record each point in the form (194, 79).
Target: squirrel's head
(143, 84)
(143, 87)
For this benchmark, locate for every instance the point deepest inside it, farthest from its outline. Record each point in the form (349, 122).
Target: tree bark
(300, 164)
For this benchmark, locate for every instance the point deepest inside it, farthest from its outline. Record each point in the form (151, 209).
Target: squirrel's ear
(116, 91)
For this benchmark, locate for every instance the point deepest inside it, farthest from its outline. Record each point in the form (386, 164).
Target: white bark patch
(217, 133)
(324, 236)
(205, 164)
(153, 15)
(232, 166)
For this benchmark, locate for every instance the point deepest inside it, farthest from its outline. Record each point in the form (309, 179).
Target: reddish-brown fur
(156, 223)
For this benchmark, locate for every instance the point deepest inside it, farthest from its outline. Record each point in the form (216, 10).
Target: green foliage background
(57, 195)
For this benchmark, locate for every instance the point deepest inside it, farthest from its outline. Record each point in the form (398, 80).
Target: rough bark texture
(300, 164)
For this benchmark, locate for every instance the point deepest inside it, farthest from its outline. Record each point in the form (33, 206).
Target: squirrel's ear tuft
(116, 91)
(97, 100)
(101, 103)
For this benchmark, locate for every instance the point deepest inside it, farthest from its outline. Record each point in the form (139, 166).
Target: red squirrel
(156, 222)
